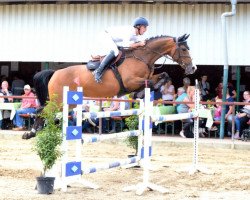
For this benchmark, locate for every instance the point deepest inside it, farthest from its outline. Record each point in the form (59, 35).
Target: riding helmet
(140, 21)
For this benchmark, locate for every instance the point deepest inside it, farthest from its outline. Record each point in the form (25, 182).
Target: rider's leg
(105, 62)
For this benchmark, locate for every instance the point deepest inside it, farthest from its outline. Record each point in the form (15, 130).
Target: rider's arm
(137, 44)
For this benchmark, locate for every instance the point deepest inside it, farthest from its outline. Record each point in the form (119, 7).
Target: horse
(137, 67)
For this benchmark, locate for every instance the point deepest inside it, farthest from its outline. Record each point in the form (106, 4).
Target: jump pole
(146, 184)
(195, 166)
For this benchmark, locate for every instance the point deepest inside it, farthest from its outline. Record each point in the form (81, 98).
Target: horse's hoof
(27, 136)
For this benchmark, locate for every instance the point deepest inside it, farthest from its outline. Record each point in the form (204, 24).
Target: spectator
(28, 105)
(217, 114)
(116, 105)
(217, 111)
(187, 123)
(229, 112)
(168, 90)
(186, 83)
(87, 106)
(204, 88)
(6, 92)
(17, 86)
(242, 118)
(181, 108)
(230, 87)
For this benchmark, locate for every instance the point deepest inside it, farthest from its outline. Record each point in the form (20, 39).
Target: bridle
(177, 51)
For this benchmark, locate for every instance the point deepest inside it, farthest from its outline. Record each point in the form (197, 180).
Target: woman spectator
(187, 123)
(168, 90)
(242, 118)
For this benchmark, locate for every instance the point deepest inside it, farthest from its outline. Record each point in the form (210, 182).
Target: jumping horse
(137, 67)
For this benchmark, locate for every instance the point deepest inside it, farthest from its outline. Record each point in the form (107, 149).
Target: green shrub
(49, 139)
(132, 123)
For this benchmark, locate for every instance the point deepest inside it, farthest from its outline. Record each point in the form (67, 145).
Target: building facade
(53, 33)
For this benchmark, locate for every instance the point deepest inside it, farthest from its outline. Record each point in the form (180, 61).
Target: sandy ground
(19, 167)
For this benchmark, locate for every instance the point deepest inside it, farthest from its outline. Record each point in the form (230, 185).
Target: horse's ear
(186, 36)
(181, 38)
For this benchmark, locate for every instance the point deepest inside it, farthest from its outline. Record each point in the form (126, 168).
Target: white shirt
(168, 97)
(124, 35)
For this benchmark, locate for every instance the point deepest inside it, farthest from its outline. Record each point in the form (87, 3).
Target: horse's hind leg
(38, 125)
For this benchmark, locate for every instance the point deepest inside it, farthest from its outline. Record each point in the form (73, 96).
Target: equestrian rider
(124, 36)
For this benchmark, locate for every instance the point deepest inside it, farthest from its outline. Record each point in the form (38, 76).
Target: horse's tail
(41, 80)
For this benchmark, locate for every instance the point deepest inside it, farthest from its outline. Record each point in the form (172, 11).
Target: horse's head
(181, 54)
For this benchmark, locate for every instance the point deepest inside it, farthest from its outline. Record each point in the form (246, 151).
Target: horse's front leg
(159, 79)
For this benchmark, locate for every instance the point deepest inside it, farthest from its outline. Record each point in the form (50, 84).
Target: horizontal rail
(110, 165)
(110, 136)
(174, 117)
(104, 114)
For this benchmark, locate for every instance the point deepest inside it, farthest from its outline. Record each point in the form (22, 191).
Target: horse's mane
(181, 40)
(151, 39)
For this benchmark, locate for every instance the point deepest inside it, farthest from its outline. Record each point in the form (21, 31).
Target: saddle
(96, 61)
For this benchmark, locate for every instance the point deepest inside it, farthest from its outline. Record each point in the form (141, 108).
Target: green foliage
(132, 124)
(49, 139)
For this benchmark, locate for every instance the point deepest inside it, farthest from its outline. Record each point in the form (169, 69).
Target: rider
(125, 36)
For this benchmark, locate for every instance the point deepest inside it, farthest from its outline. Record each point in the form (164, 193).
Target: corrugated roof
(124, 1)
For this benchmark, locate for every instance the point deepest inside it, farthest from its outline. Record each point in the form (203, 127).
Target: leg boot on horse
(104, 64)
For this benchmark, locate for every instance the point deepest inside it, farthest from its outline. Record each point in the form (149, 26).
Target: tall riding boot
(105, 62)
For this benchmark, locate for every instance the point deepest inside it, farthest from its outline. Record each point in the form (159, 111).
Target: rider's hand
(142, 43)
(138, 44)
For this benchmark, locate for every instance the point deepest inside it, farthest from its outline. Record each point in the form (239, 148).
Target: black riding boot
(105, 62)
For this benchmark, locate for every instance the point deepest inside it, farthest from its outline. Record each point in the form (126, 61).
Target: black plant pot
(45, 185)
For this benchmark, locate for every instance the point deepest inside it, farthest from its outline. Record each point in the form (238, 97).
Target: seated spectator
(217, 111)
(117, 105)
(87, 106)
(204, 88)
(5, 92)
(187, 123)
(181, 95)
(230, 87)
(217, 114)
(17, 86)
(168, 90)
(28, 105)
(242, 118)
(229, 112)
(186, 83)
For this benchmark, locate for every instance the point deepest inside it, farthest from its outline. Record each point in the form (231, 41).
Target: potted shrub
(132, 123)
(47, 145)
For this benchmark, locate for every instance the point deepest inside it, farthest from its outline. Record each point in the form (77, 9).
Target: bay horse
(137, 67)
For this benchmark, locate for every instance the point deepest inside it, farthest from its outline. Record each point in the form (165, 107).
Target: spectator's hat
(26, 87)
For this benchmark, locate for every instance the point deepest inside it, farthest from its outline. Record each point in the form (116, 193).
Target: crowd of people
(167, 92)
(186, 94)
(26, 105)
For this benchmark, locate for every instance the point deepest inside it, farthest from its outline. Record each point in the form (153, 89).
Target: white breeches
(104, 44)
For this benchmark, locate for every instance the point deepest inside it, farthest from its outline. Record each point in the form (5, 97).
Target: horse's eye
(184, 49)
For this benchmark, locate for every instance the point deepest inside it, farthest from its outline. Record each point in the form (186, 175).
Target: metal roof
(123, 1)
